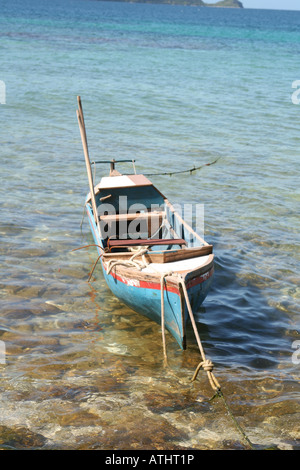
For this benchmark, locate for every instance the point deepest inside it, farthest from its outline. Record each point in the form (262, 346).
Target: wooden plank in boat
(120, 243)
(167, 256)
(131, 216)
(187, 253)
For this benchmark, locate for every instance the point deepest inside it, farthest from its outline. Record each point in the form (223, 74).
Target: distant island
(225, 4)
(198, 3)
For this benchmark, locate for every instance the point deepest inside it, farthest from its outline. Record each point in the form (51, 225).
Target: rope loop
(132, 262)
(207, 365)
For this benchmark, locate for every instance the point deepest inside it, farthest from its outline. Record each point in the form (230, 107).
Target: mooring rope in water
(131, 263)
(220, 394)
(95, 264)
(190, 170)
(205, 364)
(162, 282)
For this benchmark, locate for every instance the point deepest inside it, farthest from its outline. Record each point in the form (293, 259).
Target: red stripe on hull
(156, 285)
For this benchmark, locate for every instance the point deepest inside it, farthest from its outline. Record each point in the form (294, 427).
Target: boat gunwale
(171, 280)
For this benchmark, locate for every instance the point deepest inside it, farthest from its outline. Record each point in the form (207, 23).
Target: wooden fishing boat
(152, 260)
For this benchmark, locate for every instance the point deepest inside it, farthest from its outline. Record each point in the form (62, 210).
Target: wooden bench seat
(144, 242)
(132, 216)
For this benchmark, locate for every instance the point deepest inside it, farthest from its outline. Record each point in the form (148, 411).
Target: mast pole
(82, 129)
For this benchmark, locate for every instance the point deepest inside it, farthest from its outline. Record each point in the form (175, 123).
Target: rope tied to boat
(131, 262)
(162, 287)
(189, 170)
(100, 256)
(206, 364)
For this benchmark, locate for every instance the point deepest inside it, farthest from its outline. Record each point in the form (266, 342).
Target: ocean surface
(172, 87)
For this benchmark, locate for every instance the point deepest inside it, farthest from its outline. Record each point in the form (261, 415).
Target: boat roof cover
(122, 181)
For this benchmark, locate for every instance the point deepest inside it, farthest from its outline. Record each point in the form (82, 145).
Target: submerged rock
(20, 438)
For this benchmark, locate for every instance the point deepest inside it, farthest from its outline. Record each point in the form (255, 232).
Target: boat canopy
(125, 193)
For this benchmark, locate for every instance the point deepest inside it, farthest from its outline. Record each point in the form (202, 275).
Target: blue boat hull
(147, 301)
(144, 296)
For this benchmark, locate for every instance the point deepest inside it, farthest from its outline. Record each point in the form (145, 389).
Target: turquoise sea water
(172, 87)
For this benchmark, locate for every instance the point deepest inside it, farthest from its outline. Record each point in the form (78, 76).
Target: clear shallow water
(172, 87)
